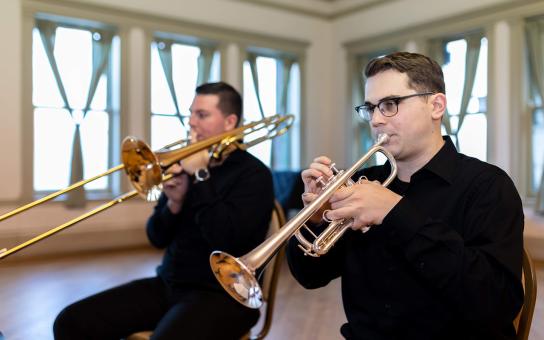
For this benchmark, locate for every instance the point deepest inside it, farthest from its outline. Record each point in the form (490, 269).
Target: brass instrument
(146, 169)
(237, 275)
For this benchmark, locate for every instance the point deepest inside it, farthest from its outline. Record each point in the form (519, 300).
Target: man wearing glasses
(437, 254)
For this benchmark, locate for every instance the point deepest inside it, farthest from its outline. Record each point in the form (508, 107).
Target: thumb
(308, 197)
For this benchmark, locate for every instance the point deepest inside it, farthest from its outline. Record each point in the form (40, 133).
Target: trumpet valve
(321, 181)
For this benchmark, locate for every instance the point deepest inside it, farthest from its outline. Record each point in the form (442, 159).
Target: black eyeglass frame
(366, 110)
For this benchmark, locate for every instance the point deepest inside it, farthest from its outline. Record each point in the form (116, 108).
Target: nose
(192, 121)
(377, 118)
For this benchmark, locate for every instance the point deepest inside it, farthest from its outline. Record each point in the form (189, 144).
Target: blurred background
(80, 75)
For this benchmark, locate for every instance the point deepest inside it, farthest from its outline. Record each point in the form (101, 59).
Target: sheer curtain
(252, 60)
(280, 156)
(281, 153)
(471, 63)
(101, 45)
(164, 47)
(205, 59)
(534, 31)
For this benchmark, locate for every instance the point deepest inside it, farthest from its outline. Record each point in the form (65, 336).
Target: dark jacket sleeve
(478, 273)
(161, 225)
(315, 272)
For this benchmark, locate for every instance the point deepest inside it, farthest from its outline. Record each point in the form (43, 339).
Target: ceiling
(319, 8)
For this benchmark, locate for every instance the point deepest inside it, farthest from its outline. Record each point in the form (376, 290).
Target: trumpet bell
(237, 279)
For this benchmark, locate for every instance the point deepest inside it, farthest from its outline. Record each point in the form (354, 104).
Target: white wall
(10, 97)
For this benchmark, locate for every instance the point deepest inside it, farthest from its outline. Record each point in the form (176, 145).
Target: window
(537, 142)
(175, 73)
(465, 70)
(535, 32)
(75, 79)
(362, 128)
(265, 79)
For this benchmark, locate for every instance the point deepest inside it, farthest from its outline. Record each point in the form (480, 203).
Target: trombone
(145, 168)
(237, 275)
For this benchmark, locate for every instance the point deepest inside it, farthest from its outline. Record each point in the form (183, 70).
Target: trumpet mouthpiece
(382, 138)
(3, 250)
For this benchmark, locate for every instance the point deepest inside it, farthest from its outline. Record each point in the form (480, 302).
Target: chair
(269, 285)
(270, 280)
(523, 321)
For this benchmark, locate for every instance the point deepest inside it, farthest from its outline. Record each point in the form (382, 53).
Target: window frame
(443, 42)
(112, 105)
(294, 134)
(185, 40)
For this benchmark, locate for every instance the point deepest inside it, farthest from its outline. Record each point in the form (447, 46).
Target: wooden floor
(33, 292)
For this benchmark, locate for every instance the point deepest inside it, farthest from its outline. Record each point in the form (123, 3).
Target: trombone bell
(237, 279)
(142, 168)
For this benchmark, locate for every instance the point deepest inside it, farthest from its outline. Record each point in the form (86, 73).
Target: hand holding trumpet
(366, 202)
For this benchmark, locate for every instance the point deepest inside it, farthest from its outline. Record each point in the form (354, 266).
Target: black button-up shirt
(444, 264)
(229, 212)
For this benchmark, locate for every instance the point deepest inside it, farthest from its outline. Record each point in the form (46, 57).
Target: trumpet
(146, 169)
(237, 275)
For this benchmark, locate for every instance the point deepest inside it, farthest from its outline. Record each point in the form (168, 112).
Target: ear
(230, 122)
(439, 104)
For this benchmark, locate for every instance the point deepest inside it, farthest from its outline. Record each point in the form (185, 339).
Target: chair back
(525, 317)
(270, 279)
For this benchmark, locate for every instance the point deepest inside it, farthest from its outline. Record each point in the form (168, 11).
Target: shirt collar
(444, 163)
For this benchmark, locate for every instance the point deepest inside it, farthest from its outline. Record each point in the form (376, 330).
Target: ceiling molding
(322, 9)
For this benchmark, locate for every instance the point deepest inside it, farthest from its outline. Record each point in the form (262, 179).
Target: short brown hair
(230, 100)
(424, 74)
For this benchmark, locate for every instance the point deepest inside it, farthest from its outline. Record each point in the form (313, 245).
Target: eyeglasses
(388, 106)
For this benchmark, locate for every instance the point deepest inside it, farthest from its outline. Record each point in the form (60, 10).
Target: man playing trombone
(224, 203)
(435, 255)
